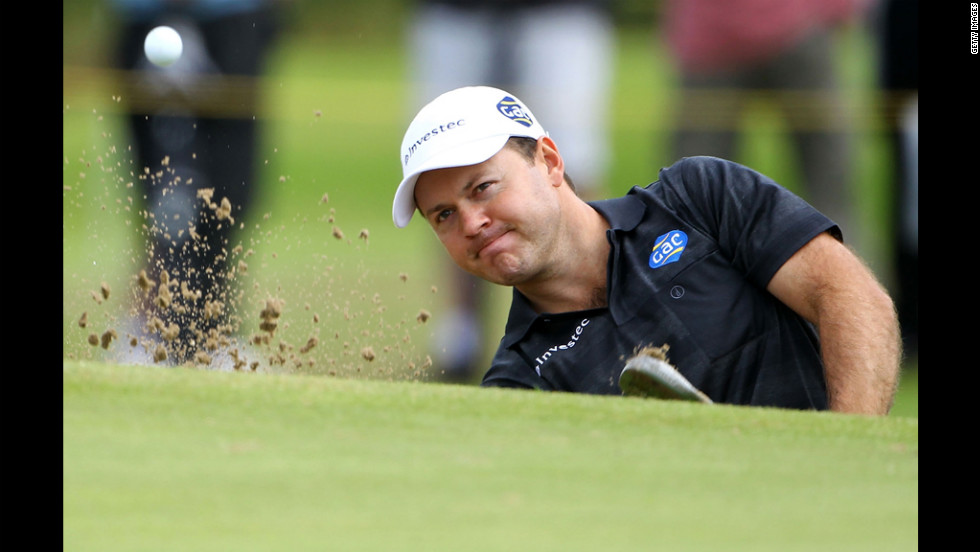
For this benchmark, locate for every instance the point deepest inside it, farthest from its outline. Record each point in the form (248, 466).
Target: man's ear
(547, 152)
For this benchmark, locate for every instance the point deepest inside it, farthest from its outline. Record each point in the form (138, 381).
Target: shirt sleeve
(509, 370)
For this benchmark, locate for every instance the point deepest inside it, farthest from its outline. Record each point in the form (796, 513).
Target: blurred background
(313, 102)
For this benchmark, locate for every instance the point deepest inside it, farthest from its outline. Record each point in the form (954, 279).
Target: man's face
(497, 219)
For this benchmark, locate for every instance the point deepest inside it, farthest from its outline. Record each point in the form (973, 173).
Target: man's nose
(472, 219)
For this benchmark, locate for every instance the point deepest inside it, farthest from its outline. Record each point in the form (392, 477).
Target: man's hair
(527, 147)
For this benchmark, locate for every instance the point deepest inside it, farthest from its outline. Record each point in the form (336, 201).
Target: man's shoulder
(711, 179)
(688, 177)
(704, 168)
(678, 188)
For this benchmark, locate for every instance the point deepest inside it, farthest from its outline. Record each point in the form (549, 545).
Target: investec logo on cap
(414, 146)
(513, 111)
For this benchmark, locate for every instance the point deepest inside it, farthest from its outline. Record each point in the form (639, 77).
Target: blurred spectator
(555, 54)
(194, 127)
(731, 54)
(897, 26)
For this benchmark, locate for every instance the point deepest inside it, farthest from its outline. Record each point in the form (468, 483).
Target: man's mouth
(485, 240)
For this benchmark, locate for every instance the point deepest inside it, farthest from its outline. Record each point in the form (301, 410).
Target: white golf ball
(163, 45)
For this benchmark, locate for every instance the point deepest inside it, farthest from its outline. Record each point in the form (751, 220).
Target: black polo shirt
(691, 256)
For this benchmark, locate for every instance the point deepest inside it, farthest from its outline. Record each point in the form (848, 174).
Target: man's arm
(859, 336)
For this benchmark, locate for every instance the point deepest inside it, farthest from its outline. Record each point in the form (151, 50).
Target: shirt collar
(623, 213)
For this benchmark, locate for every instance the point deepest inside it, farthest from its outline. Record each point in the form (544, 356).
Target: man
(748, 286)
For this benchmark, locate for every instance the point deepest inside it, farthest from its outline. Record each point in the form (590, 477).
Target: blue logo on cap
(513, 111)
(668, 248)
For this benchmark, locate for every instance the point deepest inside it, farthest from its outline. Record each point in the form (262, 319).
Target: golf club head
(646, 376)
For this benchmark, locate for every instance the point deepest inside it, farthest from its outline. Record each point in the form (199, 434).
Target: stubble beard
(526, 262)
(506, 268)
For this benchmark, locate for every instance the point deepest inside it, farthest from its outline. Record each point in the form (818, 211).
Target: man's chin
(505, 277)
(502, 268)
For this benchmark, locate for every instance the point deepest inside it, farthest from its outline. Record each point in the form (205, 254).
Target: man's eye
(443, 215)
(481, 187)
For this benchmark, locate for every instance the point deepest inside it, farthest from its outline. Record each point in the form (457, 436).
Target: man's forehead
(505, 155)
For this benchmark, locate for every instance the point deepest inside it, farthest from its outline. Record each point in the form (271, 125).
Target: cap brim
(469, 153)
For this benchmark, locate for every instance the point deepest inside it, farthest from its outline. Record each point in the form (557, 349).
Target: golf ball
(163, 45)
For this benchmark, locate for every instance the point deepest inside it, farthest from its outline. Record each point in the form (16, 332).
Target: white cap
(462, 127)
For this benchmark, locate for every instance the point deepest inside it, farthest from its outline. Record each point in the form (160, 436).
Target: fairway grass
(181, 459)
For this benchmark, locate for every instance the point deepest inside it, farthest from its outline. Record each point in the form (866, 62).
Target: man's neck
(578, 280)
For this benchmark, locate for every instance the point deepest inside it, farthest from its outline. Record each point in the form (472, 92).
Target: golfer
(748, 287)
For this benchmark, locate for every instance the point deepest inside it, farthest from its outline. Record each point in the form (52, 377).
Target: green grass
(179, 459)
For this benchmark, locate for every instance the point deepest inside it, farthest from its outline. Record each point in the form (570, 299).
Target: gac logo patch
(513, 111)
(668, 248)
